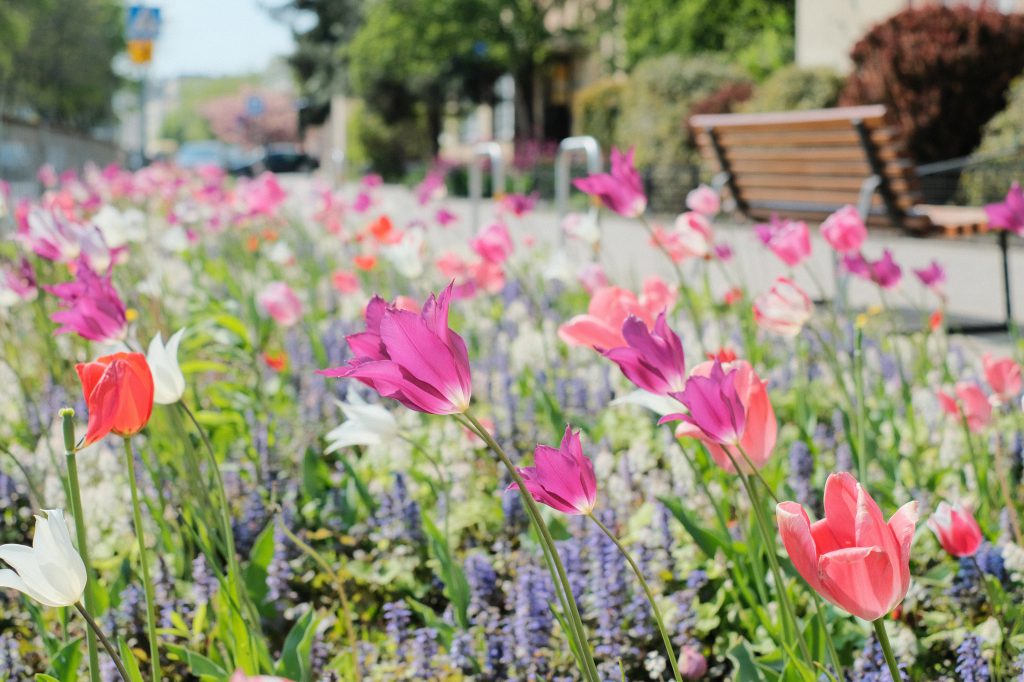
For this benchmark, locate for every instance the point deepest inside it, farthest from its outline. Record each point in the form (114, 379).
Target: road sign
(142, 23)
(140, 51)
(255, 106)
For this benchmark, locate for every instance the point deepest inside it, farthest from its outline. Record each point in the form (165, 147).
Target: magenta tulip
(1008, 215)
(92, 307)
(415, 359)
(790, 240)
(563, 479)
(620, 190)
(654, 361)
(852, 557)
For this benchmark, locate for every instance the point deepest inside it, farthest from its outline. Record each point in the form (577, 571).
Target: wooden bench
(808, 164)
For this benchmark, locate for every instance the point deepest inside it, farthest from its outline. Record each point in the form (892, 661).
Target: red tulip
(956, 529)
(852, 557)
(118, 392)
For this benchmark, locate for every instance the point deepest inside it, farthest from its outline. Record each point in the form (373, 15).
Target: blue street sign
(254, 105)
(142, 23)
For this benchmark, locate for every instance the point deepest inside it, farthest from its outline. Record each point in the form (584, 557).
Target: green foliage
(62, 70)
(793, 87)
(757, 34)
(386, 148)
(941, 71)
(596, 109)
(1003, 135)
(657, 101)
(186, 121)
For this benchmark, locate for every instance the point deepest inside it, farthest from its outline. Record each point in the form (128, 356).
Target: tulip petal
(841, 507)
(859, 580)
(795, 530)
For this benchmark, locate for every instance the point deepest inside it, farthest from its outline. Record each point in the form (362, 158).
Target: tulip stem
(94, 628)
(990, 595)
(680, 280)
(575, 621)
(883, 640)
(673, 659)
(147, 584)
(68, 418)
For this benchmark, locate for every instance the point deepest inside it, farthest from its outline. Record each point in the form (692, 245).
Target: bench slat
(873, 116)
(850, 183)
(815, 196)
(843, 136)
(794, 153)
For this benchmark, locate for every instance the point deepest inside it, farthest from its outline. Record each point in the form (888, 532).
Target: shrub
(793, 88)
(596, 109)
(659, 98)
(941, 71)
(386, 148)
(1003, 137)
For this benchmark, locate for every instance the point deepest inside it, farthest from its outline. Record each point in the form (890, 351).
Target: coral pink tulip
(601, 326)
(703, 200)
(1003, 375)
(957, 530)
(1008, 215)
(728, 403)
(563, 479)
(415, 359)
(852, 557)
(784, 309)
(844, 230)
(790, 240)
(654, 361)
(620, 190)
(279, 301)
(970, 403)
(118, 392)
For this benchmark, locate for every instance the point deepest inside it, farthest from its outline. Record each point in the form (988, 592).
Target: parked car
(288, 158)
(202, 153)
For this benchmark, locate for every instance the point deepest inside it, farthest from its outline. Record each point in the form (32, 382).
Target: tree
(758, 34)
(63, 70)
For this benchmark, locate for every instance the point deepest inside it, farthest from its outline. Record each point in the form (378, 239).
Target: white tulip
(50, 571)
(365, 424)
(168, 381)
(406, 256)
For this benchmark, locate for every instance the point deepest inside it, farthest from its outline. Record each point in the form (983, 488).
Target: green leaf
(364, 492)
(294, 661)
(65, 663)
(709, 541)
(43, 677)
(743, 661)
(456, 587)
(255, 573)
(131, 664)
(197, 663)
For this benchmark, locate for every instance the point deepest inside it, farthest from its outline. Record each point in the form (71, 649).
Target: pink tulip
(956, 529)
(519, 204)
(493, 244)
(279, 301)
(844, 230)
(563, 479)
(18, 284)
(784, 309)
(414, 359)
(601, 326)
(263, 195)
(451, 265)
(345, 282)
(444, 217)
(1003, 375)
(933, 276)
(654, 361)
(620, 190)
(852, 557)
(592, 277)
(656, 295)
(693, 237)
(432, 187)
(970, 403)
(50, 235)
(489, 277)
(790, 240)
(885, 272)
(1008, 215)
(855, 264)
(93, 308)
(703, 200)
(728, 403)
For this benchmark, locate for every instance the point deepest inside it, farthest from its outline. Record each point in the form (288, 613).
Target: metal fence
(24, 147)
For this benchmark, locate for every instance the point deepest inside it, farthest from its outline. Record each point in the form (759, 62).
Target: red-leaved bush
(942, 72)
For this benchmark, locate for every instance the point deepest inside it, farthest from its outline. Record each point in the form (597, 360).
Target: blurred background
(392, 86)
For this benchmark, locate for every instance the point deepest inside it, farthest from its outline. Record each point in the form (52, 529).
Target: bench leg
(1007, 323)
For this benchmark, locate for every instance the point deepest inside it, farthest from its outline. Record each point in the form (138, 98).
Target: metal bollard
(566, 148)
(491, 150)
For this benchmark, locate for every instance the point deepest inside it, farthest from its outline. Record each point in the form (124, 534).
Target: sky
(217, 37)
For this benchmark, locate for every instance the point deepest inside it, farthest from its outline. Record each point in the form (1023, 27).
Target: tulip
(703, 200)
(969, 403)
(932, 276)
(364, 424)
(519, 204)
(692, 663)
(93, 308)
(956, 529)
(730, 412)
(852, 557)
(50, 571)
(444, 217)
(692, 238)
(405, 255)
(790, 240)
(784, 309)
(620, 190)
(415, 359)
(1003, 375)
(563, 479)
(281, 303)
(118, 393)
(18, 284)
(885, 272)
(601, 326)
(1008, 215)
(654, 361)
(168, 381)
(50, 236)
(493, 244)
(844, 230)
(432, 187)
